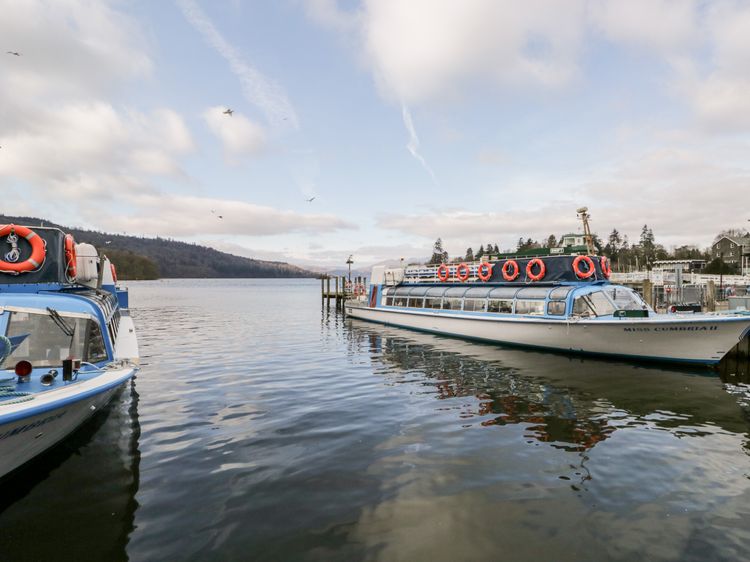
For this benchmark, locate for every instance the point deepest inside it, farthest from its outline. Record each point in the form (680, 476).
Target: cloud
(239, 135)
(260, 91)
(413, 145)
(187, 216)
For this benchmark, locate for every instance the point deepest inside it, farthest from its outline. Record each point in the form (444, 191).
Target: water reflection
(78, 500)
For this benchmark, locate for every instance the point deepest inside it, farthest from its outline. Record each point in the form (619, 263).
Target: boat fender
(484, 271)
(577, 267)
(38, 250)
(71, 259)
(462, 272)
(530, 270)
(442, 272)
(507, 275)
(606, 268)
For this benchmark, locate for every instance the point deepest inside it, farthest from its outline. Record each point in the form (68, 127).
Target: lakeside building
(686, 266)
(735, 251)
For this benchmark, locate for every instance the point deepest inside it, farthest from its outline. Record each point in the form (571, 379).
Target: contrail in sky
(262, 92)
(413, 145)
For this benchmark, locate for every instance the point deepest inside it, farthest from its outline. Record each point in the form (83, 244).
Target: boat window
(532, 293)
(433, 302)
(625, 299)
(401, 291)
(435, 291)
(477, 292)
(416, 302)
(386, 291)
(560, 293)
(500, 305)
(388, 301)
(45, 341)
(477, 305)
(529, 307)
(399, 301)
(455, 292)
(418, 291)
(451, 304)
(593, 304)
(556, 308)
(503, 293)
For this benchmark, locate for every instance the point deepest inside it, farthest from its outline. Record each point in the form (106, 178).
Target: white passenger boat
(67, 342)
(563, 303)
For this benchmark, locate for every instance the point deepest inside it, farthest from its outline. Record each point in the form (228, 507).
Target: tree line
(623, 254)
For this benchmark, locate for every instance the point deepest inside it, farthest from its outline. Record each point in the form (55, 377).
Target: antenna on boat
(583, 214)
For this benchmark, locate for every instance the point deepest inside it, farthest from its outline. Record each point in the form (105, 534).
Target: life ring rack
(38, 250)
(577, 267)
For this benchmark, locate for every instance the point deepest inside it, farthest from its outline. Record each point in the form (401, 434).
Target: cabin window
(556, 308)
(625, 299)
(433, 302)
(388, 301)
(416, 302)
(399, 301)
(529, 307)
(45, 342)
(560, 293)
(451, 304)
(476, 305)
(477, 292)
(532, 293)
(593, 304)
(503, 293)
(504, 306)
(455, 292)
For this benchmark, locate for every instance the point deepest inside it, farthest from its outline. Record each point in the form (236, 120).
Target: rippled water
(263, 427)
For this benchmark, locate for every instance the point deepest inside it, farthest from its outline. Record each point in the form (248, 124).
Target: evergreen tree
(469, 255)
(551, 241)
(647, 245)
(439, 255)
(496, 249)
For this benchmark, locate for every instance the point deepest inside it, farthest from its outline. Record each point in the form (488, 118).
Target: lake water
(263, 427)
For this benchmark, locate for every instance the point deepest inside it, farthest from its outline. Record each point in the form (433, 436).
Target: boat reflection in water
(556, 457)
(77, 501)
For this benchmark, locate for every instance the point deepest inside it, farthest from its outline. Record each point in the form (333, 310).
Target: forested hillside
(149, 258)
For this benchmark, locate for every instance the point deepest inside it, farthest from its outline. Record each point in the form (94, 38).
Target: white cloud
(239, 135)
(169, 215)
(259, 90)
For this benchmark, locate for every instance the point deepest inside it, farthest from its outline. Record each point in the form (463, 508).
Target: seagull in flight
(15, 53)
(228, 112)
(310, 200)
(213, 212)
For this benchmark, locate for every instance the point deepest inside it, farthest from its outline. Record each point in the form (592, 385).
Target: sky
(406, 120)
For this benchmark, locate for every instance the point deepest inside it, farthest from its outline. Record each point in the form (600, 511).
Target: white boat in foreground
(562, 303)
(67, 342)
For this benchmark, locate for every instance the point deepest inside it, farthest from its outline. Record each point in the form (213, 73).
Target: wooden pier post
(710, 296)
(322, 288)
(328, 290)
(648, 293)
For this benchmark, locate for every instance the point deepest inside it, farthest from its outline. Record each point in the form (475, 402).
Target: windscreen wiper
(67, 330)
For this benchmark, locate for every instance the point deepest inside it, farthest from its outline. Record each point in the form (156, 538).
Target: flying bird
(228, 112)
(310, 200)
(16, 53)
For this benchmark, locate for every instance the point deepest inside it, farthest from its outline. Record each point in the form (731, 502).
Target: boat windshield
(625, 299)
(593, 304)
(46, 339)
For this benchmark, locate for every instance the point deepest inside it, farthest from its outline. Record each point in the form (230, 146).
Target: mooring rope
(10, 396)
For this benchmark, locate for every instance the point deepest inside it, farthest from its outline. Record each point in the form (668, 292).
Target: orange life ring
(584, 274)
(462, 272)
(484, 271)
(606, 268)
(71, 259)
(442, 272)
(113, 269)
(38, 250)
(516, 270)
(542, 270)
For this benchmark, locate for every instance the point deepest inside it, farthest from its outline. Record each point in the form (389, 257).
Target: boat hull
(703, 340)
(28, 429)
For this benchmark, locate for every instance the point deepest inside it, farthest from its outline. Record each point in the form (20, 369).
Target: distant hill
(150, 258)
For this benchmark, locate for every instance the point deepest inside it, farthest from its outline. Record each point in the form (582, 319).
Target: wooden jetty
(338, 288)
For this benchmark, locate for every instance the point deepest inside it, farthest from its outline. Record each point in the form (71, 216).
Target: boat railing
(670, 278)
